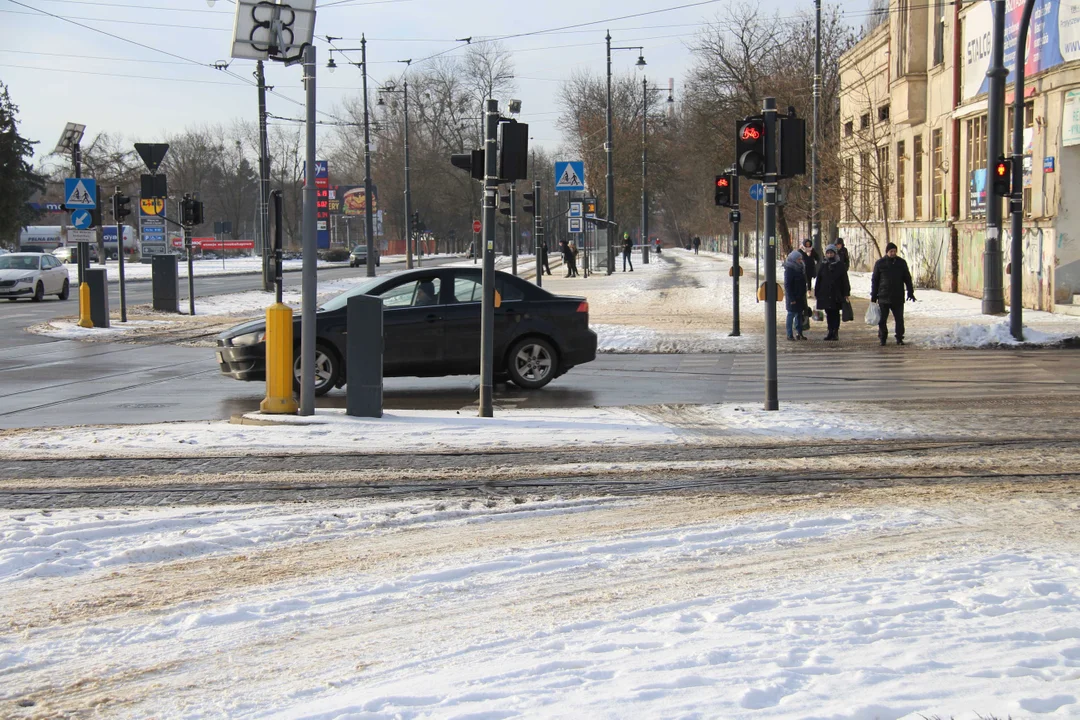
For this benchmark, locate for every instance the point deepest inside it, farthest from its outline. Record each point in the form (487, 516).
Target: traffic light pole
(264, 183)
(487, 307)
(513, 229)
(538, 234)
(644, 171)
(190, 271)
(993, 301)
(735, 268)
(1016, 202)
(771, 401)
(120, 254)
(309, 279)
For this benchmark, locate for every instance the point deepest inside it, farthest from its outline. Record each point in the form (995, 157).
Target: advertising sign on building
(1053, 39)
(1070, 121)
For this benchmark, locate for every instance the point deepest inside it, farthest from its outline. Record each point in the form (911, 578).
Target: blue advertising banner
(1053, 39)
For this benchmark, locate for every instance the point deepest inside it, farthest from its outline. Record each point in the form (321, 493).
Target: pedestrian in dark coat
(887, 284)
(570, 258)
(627, 250)
(832, 289)
(795, 294)
(697, 244)
(842, 253)
(810, 260)
(544, 257)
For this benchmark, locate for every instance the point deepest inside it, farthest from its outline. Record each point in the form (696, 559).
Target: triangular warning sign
(79, 195)
(569, 177)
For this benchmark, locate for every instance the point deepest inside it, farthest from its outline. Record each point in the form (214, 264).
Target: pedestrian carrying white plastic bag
(873, 314)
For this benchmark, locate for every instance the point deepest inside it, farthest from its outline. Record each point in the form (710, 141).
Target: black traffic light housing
(513, 151)
(191, 211)
(471, 162)
(95, 212)
(792, 145)
(505, 210)
(750, 147)
(121, 206)
(530, 203)
(723, 190)
(1002, 185)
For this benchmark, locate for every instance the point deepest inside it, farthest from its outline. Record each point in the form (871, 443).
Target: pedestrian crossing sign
(569, 176)
(80, 193)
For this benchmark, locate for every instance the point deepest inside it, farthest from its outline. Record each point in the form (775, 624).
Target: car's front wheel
(327, 370)
(532, 363)
(39, 292)
(64, 291)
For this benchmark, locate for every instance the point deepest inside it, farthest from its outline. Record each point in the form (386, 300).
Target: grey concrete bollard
(98, 280)
(364, 350)
(166, 283)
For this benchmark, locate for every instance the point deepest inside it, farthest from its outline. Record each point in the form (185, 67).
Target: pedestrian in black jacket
(842, 253)
(627, 251)
(810, 260)
(832, 289)
(544, 257)
(887, 284)
(795, 294)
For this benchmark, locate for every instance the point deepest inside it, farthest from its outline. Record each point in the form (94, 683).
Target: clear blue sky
(60, 72)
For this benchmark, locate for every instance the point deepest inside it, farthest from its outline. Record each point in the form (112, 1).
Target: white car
(33, 275)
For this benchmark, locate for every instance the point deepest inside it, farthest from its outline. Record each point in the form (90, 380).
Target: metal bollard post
(279, 398)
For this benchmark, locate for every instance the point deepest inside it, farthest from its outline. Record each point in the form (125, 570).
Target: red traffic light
(751, 131)
(1001, 169)
(722, 182)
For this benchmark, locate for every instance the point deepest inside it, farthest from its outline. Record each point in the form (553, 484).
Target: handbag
(805, 322)
(873, 314)
(847, 313)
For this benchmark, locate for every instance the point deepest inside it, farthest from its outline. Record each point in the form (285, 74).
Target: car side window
(415, 293)
(509, 292)
(50, 262)
(467, 290)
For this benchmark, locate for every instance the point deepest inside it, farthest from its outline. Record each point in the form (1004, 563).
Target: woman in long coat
(832, 290)
(795, 294)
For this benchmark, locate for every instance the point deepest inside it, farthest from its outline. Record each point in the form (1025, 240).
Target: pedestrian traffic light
(792, 131)
(1003, 177)
(750, 147)
(121, 206)
(513, 151)
(471, 162)
(504, 204)
(723, 191)
(530, 203)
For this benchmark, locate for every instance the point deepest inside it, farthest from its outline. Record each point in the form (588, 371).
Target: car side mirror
(498, 299)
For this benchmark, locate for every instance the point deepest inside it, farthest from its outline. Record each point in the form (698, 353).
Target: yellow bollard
(84, 306)
(279, 398)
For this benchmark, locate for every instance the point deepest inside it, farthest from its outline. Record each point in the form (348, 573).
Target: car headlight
(26, 279)
(250, 338)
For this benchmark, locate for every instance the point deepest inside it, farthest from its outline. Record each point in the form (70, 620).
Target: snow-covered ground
(954, 602)
(207, 268)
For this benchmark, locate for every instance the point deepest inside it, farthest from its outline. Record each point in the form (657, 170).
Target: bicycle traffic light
(750, 147)
(1002, 185)
(723, 191)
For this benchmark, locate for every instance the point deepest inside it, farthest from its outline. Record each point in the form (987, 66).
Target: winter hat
(890, 246)
(795, 257)
(830, 248)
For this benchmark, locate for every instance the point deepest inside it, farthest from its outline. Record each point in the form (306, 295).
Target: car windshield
(360, 250)
(18, 262)
(342, 300)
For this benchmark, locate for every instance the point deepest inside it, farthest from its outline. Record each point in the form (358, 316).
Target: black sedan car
(431, 328)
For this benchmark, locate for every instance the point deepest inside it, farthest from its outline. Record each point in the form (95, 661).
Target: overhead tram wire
(97, 3)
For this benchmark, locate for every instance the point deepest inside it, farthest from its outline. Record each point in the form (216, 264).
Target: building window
(901, 171)
(864, 121)
(881, 189)
(849, 128)
(917, 186)
(865, 181)
(883, 113)
(976, 166)
(937, 158)
(939, 31)
(902, 38)
(849, 185)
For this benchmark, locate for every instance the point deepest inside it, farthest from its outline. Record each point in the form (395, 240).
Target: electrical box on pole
(750, 147)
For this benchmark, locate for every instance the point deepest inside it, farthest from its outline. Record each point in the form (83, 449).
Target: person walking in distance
(832, 289)
(570, 258)
(795, 294)
(659, 250)
(842, 253)
(544, 257)
(627, 249)
(697, 244)
(887, 284)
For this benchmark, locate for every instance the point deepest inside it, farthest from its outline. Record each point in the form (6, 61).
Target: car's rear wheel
(327, 370)
(532, 363)
(64, 291)
(39, 292)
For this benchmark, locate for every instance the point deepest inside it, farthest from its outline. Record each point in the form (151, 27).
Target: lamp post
(391, 88)
(608, 146)
(369, 222)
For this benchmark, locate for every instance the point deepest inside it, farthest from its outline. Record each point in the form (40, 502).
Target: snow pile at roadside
(208, 268)
(540, 608)
(633, 339)
(405, 431)
(977, 336)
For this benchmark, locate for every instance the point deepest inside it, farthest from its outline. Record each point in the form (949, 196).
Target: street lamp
(608, 146)
(369, 221)
(391, 88)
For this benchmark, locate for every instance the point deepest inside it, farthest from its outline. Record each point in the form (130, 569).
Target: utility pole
(369, 221)
(408, 191)
(538, 233)
(309, 276)
(644, 171)
(513, 229)
(736, 270)
(815, 219)
(993, 301)
(487, 307)
(608, 147)
(769, 109)
(264, 183)
(1016, 202)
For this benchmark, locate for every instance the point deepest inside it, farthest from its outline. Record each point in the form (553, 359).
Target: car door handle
(433, 318)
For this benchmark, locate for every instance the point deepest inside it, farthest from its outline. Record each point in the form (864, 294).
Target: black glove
(911, 296)
(873, 298)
